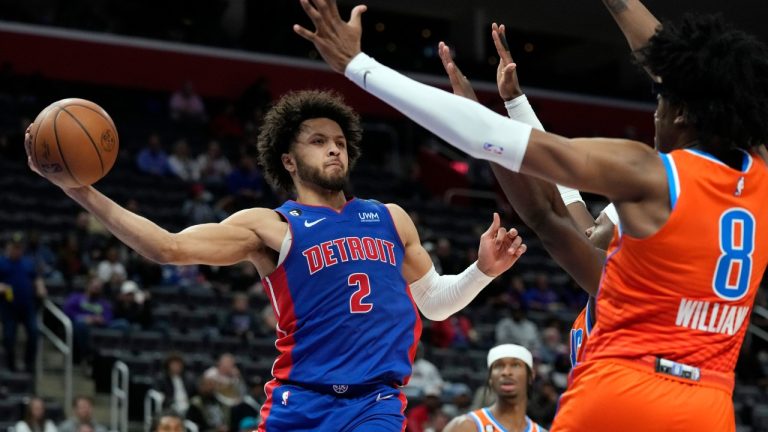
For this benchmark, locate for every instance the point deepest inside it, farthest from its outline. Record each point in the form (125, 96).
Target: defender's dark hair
(282, 126)
(717, 74)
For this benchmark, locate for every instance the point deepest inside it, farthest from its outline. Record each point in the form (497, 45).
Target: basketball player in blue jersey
(346, 277)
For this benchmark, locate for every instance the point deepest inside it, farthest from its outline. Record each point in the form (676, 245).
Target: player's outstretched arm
(439, 297)
(225, 243)
(635, 20)
(537, 202)
(622, 170)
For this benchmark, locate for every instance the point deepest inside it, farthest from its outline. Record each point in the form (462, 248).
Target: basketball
(73, 142)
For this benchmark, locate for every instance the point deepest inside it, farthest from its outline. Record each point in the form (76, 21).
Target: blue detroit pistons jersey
(345, 313)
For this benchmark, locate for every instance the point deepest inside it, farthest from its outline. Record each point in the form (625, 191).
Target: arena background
(238, 56)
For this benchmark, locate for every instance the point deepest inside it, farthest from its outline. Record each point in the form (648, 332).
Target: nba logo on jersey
(369, 217)
(489, 428)
(340, 388)
(739, 186)
(286, 395)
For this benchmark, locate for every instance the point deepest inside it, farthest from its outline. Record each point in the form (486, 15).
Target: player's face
(170, 424)
(320, 154)
(509, 378)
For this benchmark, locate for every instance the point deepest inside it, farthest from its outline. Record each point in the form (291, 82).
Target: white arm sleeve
(463, 123)
(439, 297)
(521, 110)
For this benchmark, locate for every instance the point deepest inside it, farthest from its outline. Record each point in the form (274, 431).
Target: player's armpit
(416, 260)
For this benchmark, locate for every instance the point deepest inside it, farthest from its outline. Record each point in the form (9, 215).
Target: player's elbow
(167, 252)
(433, 314)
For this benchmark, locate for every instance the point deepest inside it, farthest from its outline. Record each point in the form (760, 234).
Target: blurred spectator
(87, 310)
(198, 209)
(427, 416)
(133, 307)
(167, 421)
(227, 125)
(454, 332)
(176, 384)
(42, 254)
(187, 106)
(229, 387)
(245, 184)
(461, 399)
(214, 166)
(542, 404)
(248, 424)
(424, 374)
(152, 159)
(248, 408)
(206, 411)
(183, 275)
(69, 258)
(449, 263)
(412, 185)
(146, 272)
(518, 330)
(552, 345)
(35, 419)
(111, 270)
(181, 164)
(82, 415)
(542, 297)
(20, 290)
(239, 321)
(268, 321)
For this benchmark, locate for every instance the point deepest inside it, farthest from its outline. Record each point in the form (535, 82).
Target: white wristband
(521, 110)
(463, 123)
(613, 215)
(569, 195)
(439, 297)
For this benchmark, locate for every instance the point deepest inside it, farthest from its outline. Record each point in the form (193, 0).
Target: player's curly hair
(717, 74)
(282, 126)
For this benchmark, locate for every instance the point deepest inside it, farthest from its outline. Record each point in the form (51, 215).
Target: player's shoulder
(254, 218)
(462, 423)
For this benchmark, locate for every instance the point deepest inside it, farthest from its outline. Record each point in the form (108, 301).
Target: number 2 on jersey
(363, 284)
(737, 242)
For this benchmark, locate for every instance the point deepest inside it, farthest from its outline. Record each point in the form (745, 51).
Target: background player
(510, 378)
(693, 236)
(340, 273)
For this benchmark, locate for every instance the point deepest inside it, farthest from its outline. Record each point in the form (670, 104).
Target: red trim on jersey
(404, 402)
(416, 333)
(276, 288)
(269, 388)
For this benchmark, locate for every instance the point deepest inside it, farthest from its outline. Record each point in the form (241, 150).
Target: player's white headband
(510, 351)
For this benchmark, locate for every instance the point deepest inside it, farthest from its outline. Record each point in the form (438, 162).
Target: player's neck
(321, 197)
(511, 413)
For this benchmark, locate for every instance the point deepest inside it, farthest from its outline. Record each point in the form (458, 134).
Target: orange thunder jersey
(580, 331)
(485, 422)
(686, 292)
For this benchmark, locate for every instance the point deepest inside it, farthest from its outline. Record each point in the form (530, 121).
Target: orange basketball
(74, 142)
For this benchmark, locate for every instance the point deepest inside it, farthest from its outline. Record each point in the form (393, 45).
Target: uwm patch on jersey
(345, 314)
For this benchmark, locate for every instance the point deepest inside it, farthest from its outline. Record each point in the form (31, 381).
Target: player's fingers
(312, 13)
(495, 224)
(509, 71)
(501, 234)
(520, 250)
(512, 233)
(445, 54)
(355, 18)
(306, 34)
(328, 8)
